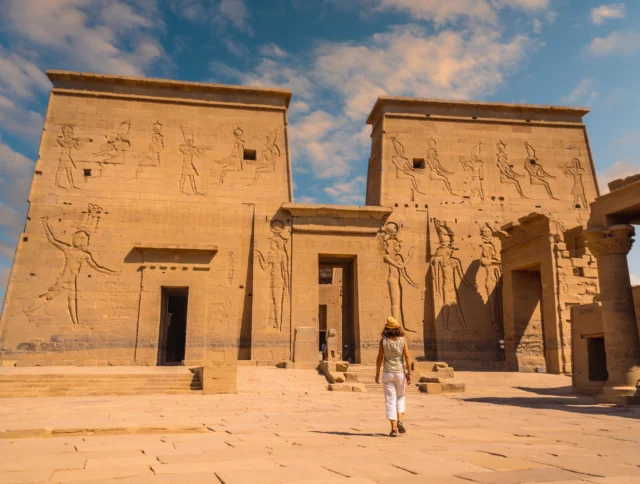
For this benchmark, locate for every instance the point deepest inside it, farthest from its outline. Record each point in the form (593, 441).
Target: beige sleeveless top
(393, 355)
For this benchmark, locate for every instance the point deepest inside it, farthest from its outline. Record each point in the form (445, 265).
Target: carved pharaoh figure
(397, 271)
(507, 174)
(493, 273)
(576, 171)
(234, 161)
(189, 172)
(537, 175)
(152, 156)
(66, 165)
(403, 165)
(76, 255)
(117, 145)
(436, 170)
(268, 157)
(476, 166)
(277, 263)
(447, 272)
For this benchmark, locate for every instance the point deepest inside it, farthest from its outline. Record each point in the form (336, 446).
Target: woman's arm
(407, 360)
(379, 362)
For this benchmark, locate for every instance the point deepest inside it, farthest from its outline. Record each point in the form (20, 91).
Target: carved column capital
(616, 239)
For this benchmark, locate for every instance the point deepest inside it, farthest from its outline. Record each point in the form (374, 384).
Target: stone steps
(51, 381)
(367, 375)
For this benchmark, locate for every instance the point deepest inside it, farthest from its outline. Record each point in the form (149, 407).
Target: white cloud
(620, 169)
(272, 73)
(20, 77)
(272, 50)
(618, 42)
(409, 61)
(635, 280)
(236, 11)
(584, 92)
(108, 37)
(348, 192)
(443, 12)
(305, 200)
(15, 179)
(7, 250)
(298, 107)
(236, 48)
(606, 12)
(20, 120)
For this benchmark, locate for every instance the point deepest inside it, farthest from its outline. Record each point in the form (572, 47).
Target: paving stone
(523, 476)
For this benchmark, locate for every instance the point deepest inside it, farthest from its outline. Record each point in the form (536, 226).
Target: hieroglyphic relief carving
(156, 146)
(576, 171)
(537, 175)
(277, 263)
(231, 267)
(66, 165)
(436, 170)
(270, 154)
(492, 265)
(223, 314)
(446, 269)
(476, 166)
(234, 161)
(507, 174)
(90, 219)
(76, 254)
(397, 270)
(189, 171)
(117, 146)
(403, 165)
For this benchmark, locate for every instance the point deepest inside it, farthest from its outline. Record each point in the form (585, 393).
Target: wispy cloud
(618, 42)
(348, 192)
(273, 50)
(607, 12)
(584, 92)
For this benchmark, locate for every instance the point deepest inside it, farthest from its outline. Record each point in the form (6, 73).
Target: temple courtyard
(284, 426)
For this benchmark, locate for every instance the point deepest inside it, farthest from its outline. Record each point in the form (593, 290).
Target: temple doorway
(336, 309)
(173, 326)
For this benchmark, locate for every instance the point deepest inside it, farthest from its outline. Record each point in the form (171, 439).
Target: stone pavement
(284, 426)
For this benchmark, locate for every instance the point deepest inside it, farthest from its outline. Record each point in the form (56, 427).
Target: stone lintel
(618, 206)
(337, 211)
(83, 81)
(474, 109)
(175, 247)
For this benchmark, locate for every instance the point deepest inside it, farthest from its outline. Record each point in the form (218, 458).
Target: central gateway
(164, 211)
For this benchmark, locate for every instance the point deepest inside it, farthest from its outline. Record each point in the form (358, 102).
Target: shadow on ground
(559, 399)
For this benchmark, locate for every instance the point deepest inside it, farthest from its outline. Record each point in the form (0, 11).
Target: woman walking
(393, 356)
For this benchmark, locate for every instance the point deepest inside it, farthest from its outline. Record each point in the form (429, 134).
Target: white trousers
(394, 385)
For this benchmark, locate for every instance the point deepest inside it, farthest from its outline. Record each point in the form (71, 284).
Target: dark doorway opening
(337, 304)
(173, 326)
(597, 359)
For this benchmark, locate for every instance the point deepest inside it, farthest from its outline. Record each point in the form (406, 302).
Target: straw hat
(392, 323)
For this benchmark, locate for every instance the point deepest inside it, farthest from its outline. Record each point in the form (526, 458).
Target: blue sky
(336, 56)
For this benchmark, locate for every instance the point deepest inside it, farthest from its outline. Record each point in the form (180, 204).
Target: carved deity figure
(493, 272)
(436, 170)
(234, 161)
(66, 165)
(476, 166)
(277, 263)
(537, 175)
(397, 274)
(152, 156)
(189, 172)
(447, 272)
(76, 255)
(268, 157)
(404, 166)
(507, 174)
(117, 145)
(576, 171)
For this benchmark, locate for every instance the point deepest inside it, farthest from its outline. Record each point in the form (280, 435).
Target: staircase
(367, 375)
(94, 381)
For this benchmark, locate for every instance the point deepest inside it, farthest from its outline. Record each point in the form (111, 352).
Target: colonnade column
(622, 344)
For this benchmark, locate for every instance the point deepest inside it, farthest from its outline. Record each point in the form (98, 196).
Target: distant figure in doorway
(393, 357)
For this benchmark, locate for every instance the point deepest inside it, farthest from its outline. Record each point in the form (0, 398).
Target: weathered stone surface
(340, 387)
(358, 387)
(433, 388)
(452, 387)
(342, 366)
